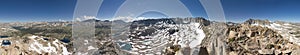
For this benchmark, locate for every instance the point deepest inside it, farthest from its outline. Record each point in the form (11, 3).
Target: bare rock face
(296, 52)
(266, 51)
(256, 21)
(247, 39)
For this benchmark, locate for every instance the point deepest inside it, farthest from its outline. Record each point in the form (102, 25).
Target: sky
(235, 10)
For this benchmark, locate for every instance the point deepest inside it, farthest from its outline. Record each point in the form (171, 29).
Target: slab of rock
(233, 53)
(232, 34)
(266, 51)
(277, 52)
(296, 52)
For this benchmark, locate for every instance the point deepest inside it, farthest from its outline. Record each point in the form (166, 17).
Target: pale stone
(233, 53)
(277, 52)
(265, 51)
(232, 34)
(296, 52)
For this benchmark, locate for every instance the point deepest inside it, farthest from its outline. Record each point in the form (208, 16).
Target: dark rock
(203, 51)
(172, 31)
(45, 38)
(91, 20)
(203, 21)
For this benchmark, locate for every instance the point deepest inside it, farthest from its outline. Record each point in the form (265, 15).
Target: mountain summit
(167, 36)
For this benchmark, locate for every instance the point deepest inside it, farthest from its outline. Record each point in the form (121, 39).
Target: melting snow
(91, 47)
(199, 36)
(32, 37)
(188, 35)
(86, 42)
(40, 48)
(82, 53)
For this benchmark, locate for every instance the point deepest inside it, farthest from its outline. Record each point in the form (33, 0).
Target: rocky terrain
(254, 37)
(35, 38)
(33, 45)
(251, 39)
(166, 36)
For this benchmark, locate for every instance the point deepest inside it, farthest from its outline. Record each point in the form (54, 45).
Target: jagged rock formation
(251, 37)
(247, 39)
(255, 21)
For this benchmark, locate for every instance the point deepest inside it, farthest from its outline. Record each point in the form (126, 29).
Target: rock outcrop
(249, 39)
(257, 21)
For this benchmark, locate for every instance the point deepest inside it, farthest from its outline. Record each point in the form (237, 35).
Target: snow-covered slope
(34, 45)
(153, 39)
(40, 45)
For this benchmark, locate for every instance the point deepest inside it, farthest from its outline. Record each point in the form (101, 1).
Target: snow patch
(86, 42)
(48, 48)
(188, 35)
(91, 47)
(32, 37)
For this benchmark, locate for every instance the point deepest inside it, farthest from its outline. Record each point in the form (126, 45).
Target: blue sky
(235, 10)
(286, 10)
(35, 10)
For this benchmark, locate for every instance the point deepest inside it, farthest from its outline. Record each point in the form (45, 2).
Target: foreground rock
(252, 39)
(34, 45)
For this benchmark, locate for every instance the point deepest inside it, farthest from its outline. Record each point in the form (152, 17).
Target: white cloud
(85, 18)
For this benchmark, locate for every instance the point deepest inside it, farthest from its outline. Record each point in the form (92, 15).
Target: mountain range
(165, 36)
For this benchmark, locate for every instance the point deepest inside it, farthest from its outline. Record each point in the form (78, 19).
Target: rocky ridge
(174, 36)
(259, 37)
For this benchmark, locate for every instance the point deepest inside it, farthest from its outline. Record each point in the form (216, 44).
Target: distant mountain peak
(91, 20)
(257, 21)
